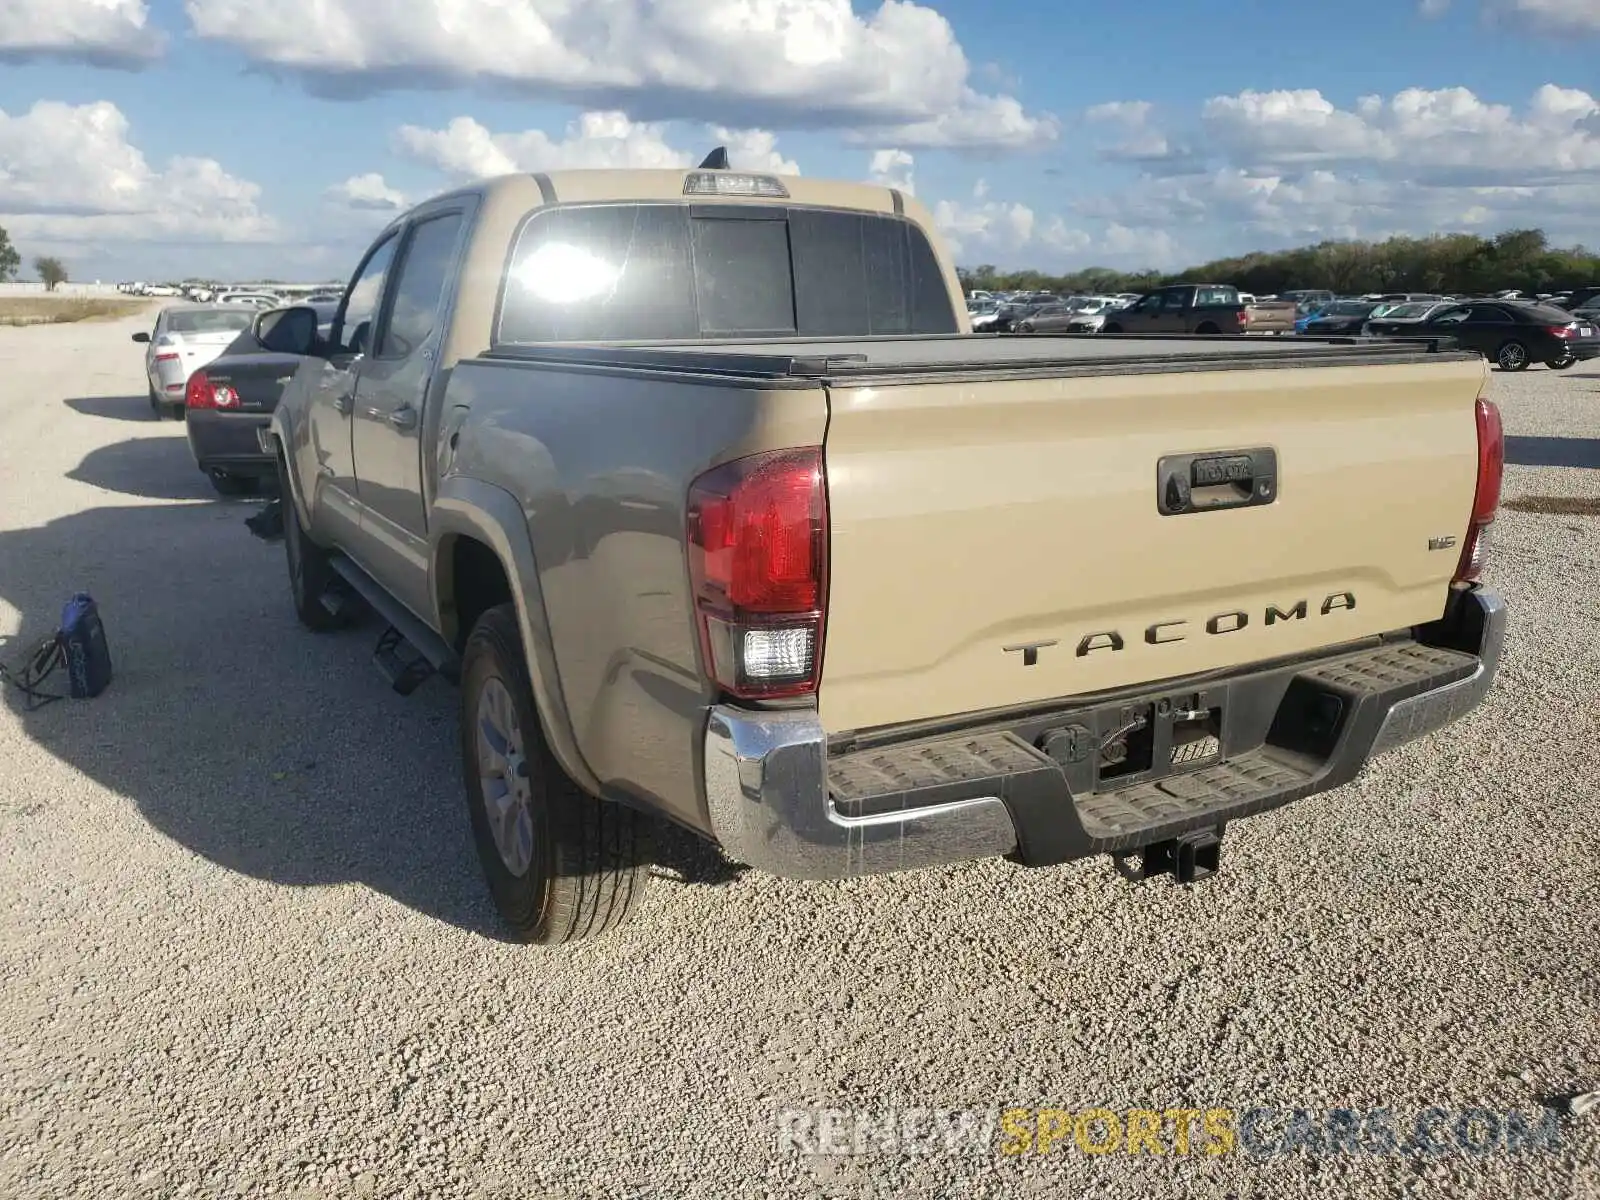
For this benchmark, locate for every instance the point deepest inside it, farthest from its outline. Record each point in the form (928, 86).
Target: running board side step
(408, 652)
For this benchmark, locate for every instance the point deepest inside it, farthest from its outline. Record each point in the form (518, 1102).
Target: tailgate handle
(1216, 479)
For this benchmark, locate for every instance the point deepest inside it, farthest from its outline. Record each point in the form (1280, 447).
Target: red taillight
(1560, 331)
(758, 561)
(202, 393)
(1486, 500)
(166, 357)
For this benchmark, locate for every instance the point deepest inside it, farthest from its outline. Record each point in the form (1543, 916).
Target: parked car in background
(1512, 334)
(1584, 297)
(1308, 300)
(252, 299)
(229, 399)
(1389, 319)
(1012, 313)
(185, 338)
(1340, 317)
(1047, 318)
(1206, 308)
(1090, 313)
(983, 314)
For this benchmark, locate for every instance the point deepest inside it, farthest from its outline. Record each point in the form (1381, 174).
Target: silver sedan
(186, 337)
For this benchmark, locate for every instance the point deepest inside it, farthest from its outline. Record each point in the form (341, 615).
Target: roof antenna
(717, 160)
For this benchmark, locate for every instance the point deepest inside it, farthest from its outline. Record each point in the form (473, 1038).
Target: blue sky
(159, 138)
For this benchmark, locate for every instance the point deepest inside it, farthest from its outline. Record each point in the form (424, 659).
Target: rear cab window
(686, 272)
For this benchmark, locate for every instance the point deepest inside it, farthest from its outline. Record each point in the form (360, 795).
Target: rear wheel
(560, 864)
(1208, 330)
(1512, 356)
(1112, 329)
(1561, 364)
(155, 402)
(310, 574)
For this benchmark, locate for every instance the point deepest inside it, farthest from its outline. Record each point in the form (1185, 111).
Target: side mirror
(141, 336)
(288, 330)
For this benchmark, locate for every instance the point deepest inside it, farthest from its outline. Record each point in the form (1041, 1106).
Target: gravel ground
(247, 950)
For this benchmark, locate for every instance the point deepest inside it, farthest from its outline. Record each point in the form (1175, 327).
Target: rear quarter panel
(600, 464)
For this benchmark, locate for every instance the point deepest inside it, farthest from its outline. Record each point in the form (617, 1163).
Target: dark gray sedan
(235, 394)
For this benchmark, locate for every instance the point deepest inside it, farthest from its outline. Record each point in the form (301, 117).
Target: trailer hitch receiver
(1188, 858)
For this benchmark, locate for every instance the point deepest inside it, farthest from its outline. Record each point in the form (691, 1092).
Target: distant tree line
(1458, 263)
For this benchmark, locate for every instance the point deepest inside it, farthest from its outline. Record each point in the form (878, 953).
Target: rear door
(1487, 328)
(972, 522)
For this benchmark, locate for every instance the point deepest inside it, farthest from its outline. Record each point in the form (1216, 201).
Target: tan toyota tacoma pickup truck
(698, 485)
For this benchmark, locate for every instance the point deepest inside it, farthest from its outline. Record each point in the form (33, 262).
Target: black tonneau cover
(975, 355)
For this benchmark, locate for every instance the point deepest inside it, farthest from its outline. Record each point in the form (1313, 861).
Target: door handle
(1196, 483)
(345, 404)
(404, 417)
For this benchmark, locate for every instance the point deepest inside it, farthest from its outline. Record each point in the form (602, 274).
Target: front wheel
(561, 864)
(1512, 356)
(1025, 328)
(1112, 329)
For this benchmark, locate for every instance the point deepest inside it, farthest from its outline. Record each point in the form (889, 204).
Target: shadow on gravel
(261, 747)
(1553, 452)
(114, 408)
(159, 468)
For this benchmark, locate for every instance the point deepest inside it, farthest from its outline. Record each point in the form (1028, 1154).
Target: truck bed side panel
(968, 517)
(601, 464)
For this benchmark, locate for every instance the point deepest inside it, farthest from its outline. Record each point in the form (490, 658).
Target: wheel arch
(481, 555)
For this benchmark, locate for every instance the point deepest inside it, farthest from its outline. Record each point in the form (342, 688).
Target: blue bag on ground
(83, 647)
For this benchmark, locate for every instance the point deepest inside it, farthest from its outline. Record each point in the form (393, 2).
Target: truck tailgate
(972, 520)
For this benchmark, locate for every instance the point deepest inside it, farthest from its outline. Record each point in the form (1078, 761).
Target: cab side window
(353, 328)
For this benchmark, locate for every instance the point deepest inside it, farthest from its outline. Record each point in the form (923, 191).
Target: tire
(1208, 330)
(573, 866)
(310, 574)
(231, 485)
(1025, 328)
(1561, 364)
(1512, 356)
(155, 403)
(1112, 329)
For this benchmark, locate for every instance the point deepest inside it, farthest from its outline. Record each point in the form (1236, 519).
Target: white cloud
(754, 150)
(102, 32)
(984, 226)
(469, 150)
(367, 192)
(1134, 113)
(1297, 166)
(784, 63)
(894, 168)
(1546, 16)
(69, 173)
(1448, 136)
